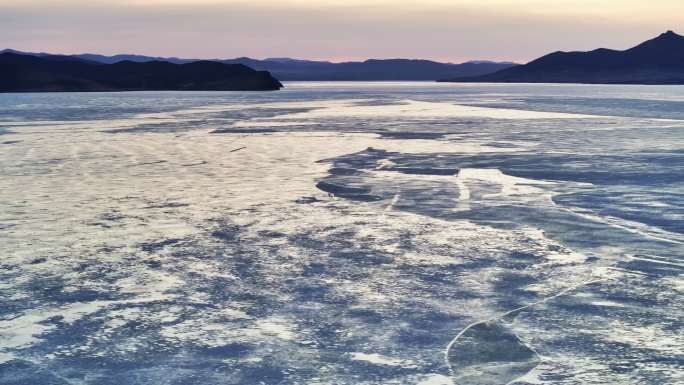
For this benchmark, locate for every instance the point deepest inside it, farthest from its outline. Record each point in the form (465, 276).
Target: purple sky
(445, 30)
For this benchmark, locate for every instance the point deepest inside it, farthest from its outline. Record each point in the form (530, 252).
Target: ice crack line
(502, 315)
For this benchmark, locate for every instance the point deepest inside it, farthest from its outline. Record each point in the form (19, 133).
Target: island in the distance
(58, 73)
(656, 61)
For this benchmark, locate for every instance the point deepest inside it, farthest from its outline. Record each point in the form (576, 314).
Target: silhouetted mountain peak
(657, 61)
(665, 41)
(668, 36)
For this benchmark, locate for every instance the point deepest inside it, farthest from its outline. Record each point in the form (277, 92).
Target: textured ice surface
(347, 233)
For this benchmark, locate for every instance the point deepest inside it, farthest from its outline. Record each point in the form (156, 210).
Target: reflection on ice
(419, 109)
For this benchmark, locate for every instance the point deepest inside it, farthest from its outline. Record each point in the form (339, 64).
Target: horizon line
(269, 58)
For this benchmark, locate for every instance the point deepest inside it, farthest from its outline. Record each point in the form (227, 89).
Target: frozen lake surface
(344, 233)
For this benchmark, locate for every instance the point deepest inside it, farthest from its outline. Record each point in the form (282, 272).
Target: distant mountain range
(656, 61)
(373, 69)
(295, 69)
(46, 73)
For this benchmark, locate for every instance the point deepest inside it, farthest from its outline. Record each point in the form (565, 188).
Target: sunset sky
(337, 30)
